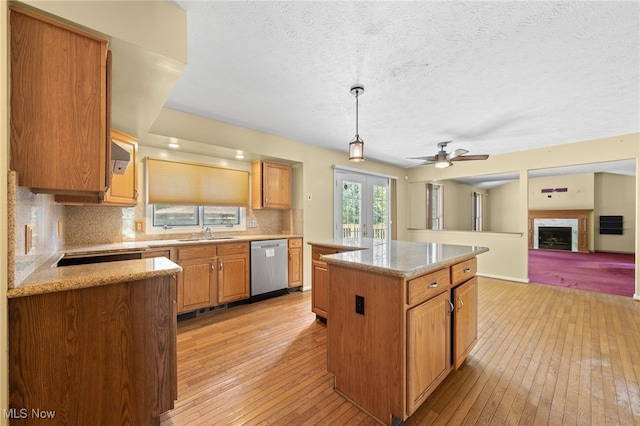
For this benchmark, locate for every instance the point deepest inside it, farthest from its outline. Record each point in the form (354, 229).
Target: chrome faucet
(204, 231)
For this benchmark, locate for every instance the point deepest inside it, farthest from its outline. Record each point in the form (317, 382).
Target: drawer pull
(466, 270)
(433, 285)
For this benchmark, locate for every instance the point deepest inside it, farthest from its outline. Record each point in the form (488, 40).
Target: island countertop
(397, 258)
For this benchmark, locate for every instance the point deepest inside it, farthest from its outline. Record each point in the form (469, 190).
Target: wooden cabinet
(319, 280)
(60, 106)
(428, 348)
(97, 355)
(159, 252)
(197, 283)
(295, 262)
(233, 272)
(465, 320)
(270, 186)
(123, 191)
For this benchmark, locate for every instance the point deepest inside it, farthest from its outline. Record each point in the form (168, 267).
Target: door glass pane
(380, 209)
(351, 208)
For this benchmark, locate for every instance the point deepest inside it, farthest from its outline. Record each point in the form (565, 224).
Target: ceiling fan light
(356, 150)
(442, 161)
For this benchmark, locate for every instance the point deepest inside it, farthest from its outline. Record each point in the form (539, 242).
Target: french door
(361, 206)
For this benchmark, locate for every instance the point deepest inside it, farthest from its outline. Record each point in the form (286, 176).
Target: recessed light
(173, 143)
(239, 155)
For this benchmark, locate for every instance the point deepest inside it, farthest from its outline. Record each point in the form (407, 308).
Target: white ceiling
(493, 77)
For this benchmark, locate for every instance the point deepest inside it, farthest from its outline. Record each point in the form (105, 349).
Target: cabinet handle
(461, 304)
(290, 256)
(220, 262)
(466, 270)
(212, 268)
(433, 285)
(451, 306)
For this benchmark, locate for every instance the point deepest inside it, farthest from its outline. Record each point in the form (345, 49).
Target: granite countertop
(398, 258)
(152, 244)
(49, 278)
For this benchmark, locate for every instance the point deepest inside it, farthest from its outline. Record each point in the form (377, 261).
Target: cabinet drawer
(233, 248)
(460, 272)
(427, 286)
(321, 251)
(295, 242)
(196, 252)
(156, 253)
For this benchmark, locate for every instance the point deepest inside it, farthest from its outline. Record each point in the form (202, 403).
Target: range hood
(119, 159)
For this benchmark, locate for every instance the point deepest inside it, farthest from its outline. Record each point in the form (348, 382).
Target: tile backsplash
(86, 225)
(43, 216)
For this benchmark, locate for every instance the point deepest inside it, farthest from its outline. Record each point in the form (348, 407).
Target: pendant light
(356, 146)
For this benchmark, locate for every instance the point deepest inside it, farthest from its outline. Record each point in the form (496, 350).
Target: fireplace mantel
(583, 224)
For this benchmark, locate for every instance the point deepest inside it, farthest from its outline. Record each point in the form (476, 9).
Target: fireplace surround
(577, 220)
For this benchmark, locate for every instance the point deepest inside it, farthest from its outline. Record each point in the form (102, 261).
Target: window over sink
(167, 218)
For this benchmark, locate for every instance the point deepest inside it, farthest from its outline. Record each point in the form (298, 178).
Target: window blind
(173, 182)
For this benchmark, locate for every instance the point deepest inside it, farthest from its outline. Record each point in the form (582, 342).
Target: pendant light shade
(356, 146)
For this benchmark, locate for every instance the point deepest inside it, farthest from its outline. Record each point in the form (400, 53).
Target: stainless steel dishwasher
(269, 267)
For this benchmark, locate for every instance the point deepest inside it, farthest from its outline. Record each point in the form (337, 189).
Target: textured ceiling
(493, 77)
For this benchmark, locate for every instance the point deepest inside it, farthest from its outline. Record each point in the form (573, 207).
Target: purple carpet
(611, 273)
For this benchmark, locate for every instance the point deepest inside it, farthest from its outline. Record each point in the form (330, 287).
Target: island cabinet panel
(319, 280)
(465, 320)
(428, 348)
(366, 350)
(427, 286)
(95, 356)
(461, 272)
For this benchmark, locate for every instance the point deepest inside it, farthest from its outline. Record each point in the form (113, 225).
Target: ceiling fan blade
(470, 157)
(457, 153)
(429, 158)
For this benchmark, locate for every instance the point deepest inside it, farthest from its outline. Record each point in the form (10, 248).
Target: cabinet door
(276, 186)
(59, 106)
(320, 289)
(124, 187)
(233, 278)
(428, 353)
(465, 320)
(295, 267)
(196, 284)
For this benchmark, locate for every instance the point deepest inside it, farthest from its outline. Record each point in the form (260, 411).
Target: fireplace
(554, 237)
(577, 220)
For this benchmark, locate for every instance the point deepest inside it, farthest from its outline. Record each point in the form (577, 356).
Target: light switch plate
(139, 225)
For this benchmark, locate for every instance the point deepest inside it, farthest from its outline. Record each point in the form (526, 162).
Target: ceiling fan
(442, 159)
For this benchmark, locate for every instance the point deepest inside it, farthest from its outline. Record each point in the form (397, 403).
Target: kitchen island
(400, 317)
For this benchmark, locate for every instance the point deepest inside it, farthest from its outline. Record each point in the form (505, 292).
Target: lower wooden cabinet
(428, 348)
(295, 262)
(465, 320)
(97, 355)
(233, 272)
(197, 283)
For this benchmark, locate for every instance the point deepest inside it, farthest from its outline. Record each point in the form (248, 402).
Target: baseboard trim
(502, 277)
(636, 296)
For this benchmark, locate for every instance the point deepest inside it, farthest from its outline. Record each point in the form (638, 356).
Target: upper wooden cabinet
(123, 191)
(60, 106)
(270, 186)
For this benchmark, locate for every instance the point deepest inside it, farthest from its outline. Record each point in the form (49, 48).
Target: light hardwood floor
(545, 355)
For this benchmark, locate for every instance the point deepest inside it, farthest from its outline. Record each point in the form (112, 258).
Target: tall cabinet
(60, 106)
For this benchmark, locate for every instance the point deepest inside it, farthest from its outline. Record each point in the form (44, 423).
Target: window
(183, 219)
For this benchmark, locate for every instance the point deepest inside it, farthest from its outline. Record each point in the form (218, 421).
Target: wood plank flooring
(545, 355)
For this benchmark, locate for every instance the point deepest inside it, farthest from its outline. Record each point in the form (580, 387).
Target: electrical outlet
(139, 225)
(59, 229)
(252, 224)
(359, 305)
(28, 239)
